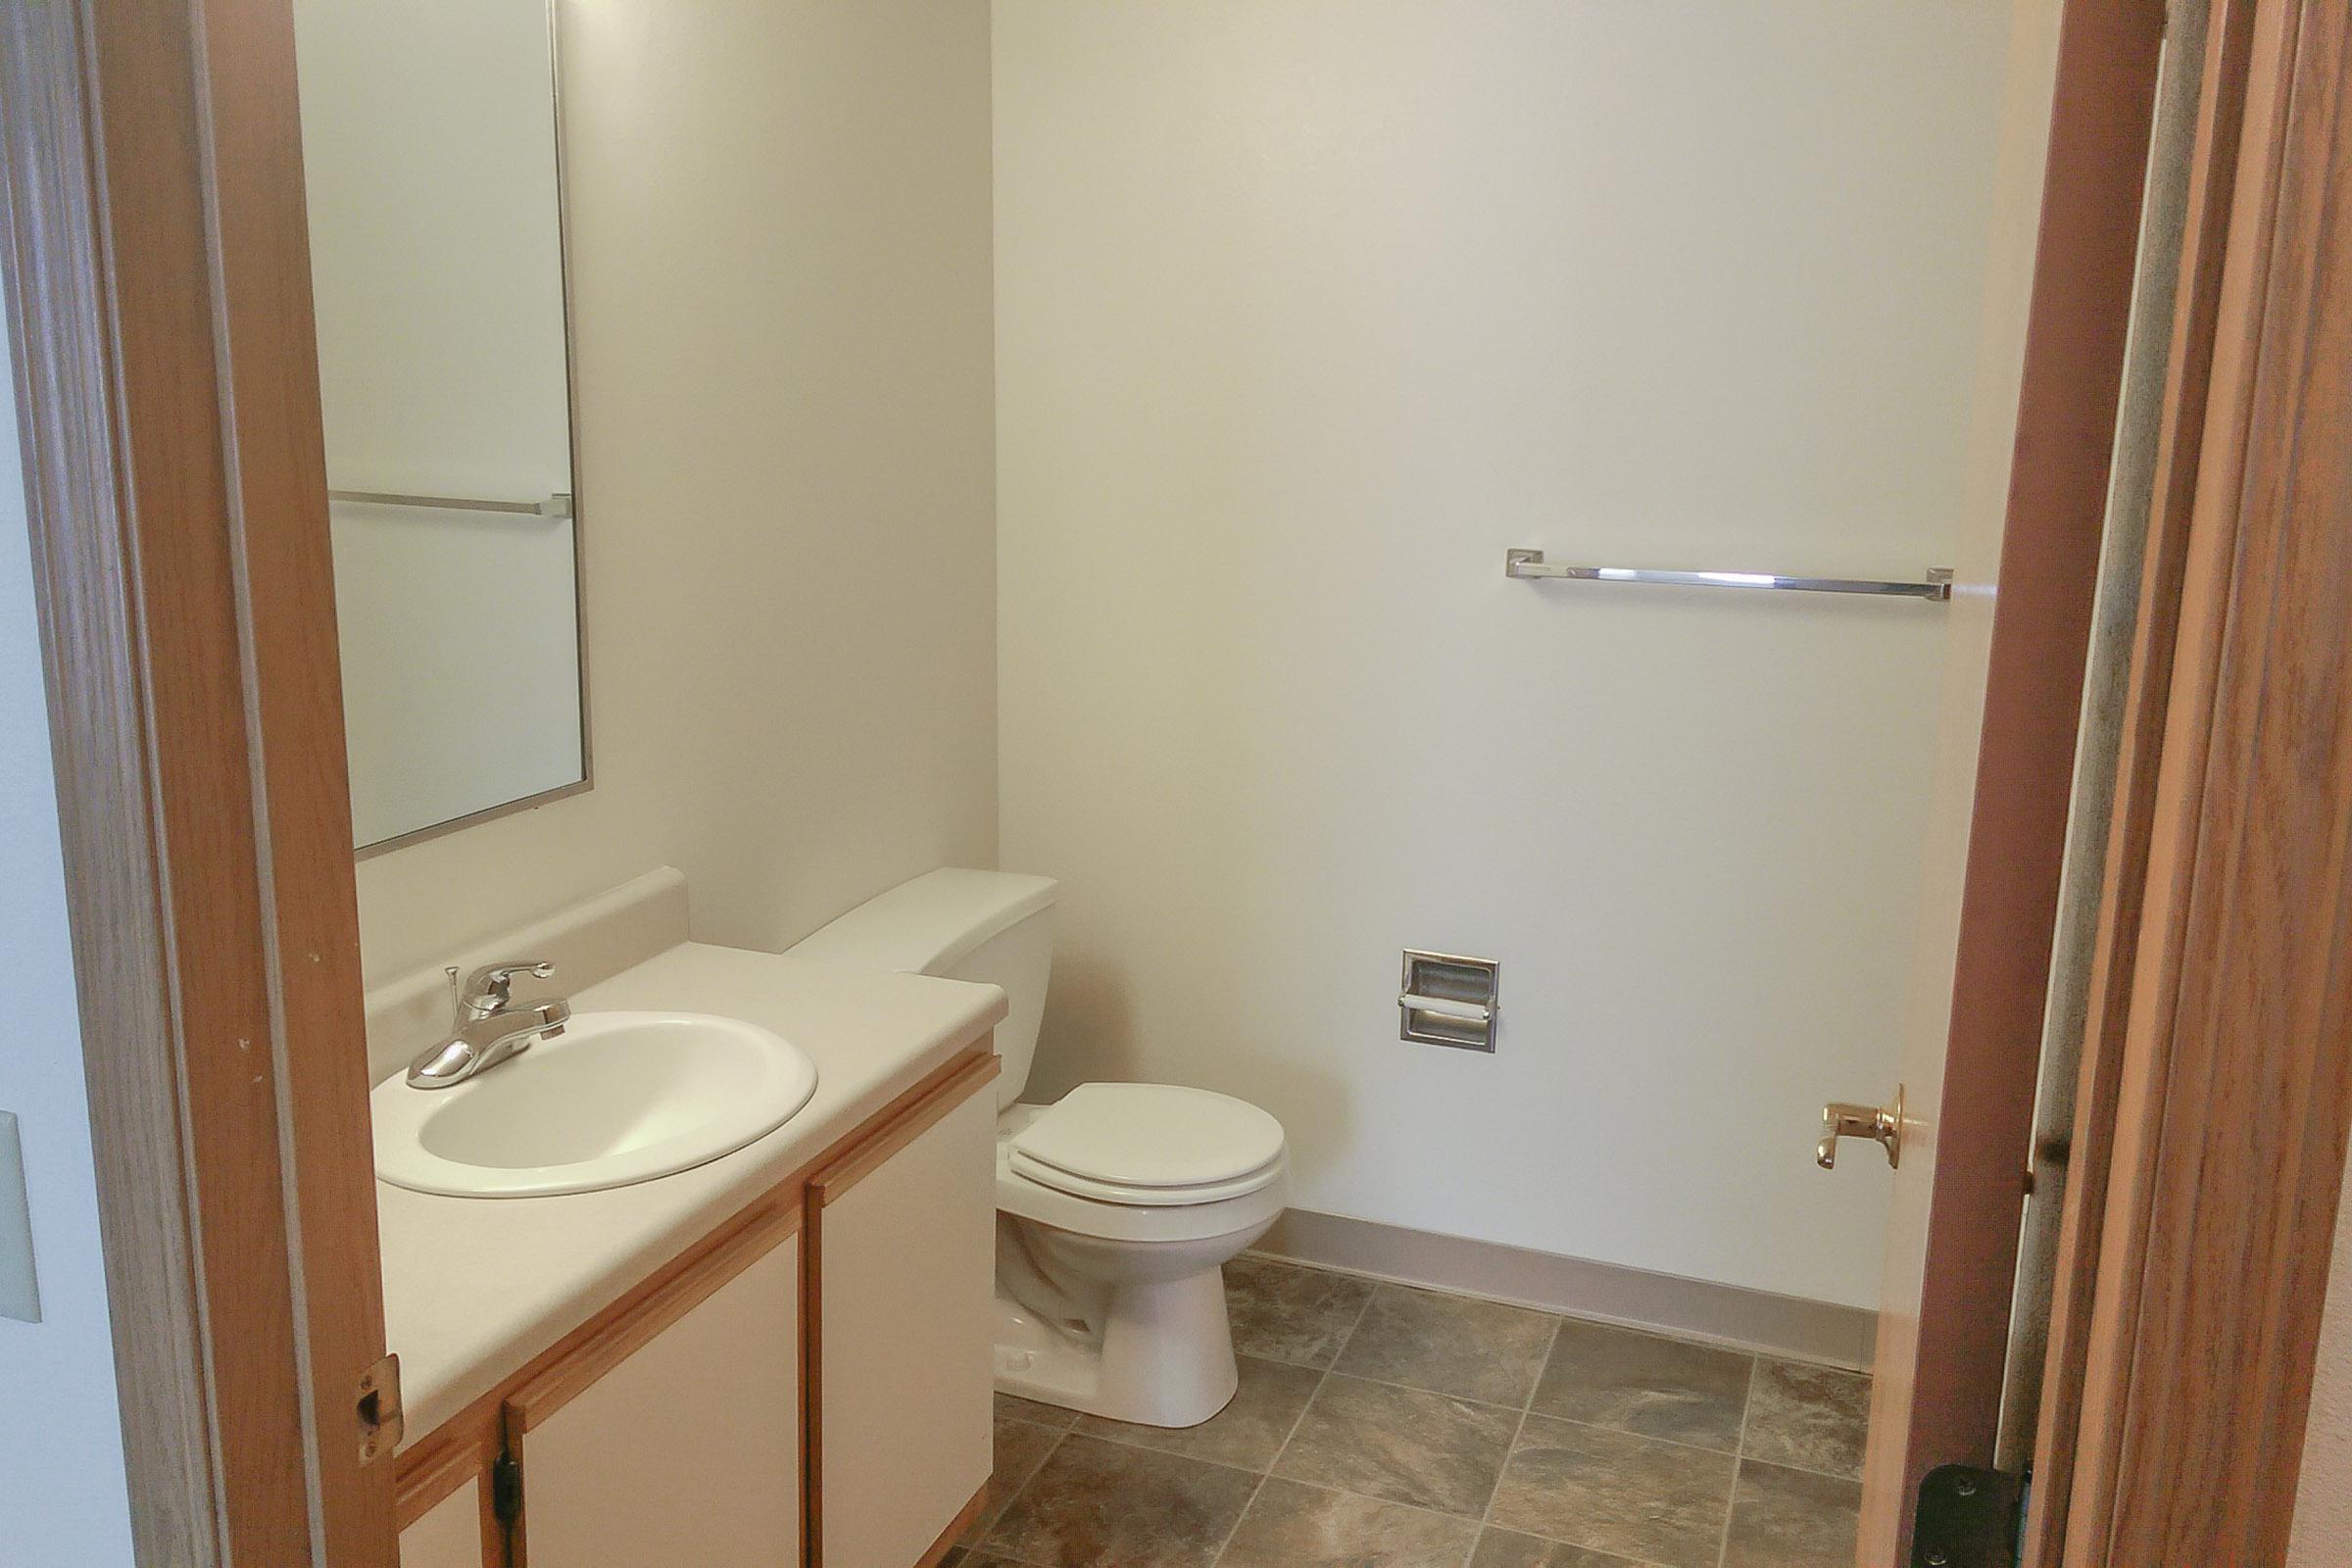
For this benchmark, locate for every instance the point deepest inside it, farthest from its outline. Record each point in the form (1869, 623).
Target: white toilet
(1116, 1206)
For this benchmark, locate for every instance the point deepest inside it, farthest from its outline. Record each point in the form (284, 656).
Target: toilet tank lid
(928, 924)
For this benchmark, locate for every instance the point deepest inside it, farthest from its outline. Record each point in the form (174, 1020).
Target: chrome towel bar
(1936, 587)
(557, 505)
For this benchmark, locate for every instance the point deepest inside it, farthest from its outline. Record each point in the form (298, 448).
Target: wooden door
(157, 282)
(674, 1435)
(2005, 737)
(901, 1236)
(2216, 1093)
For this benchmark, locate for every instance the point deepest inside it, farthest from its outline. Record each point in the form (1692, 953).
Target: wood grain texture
(448, 1535)
(672, 1294)
(977, 1065)
(482, 1426)
(64, 354)
(906, 1264)
(686, 1449)
(172, 430)
(956, 1526)
(424, 1486)
(2235, 1090)
(2179, 447)
(283, 574)
(1938, 1396)
(838, 1177)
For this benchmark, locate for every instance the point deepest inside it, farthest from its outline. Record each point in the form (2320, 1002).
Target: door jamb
(152, 231)
(2194, 1267)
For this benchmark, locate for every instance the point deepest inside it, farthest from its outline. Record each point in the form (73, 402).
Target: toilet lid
(1151, 1143)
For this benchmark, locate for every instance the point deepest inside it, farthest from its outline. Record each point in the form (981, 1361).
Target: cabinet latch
(381, 1421)
(505, 1490)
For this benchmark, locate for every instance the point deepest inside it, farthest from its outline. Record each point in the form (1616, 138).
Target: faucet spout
(483, 1043)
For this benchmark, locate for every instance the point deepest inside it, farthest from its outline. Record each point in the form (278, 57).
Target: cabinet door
(674, 1435)
(904, 1232)
(448, 1535)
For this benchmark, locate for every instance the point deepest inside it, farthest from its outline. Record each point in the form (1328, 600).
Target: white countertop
(475, 1287)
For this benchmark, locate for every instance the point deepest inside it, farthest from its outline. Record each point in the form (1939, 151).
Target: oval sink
(617, 1098)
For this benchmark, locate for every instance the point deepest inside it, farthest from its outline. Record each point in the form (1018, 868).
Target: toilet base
(1163, 1357)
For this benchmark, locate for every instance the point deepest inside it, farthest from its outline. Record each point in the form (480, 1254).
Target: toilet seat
(1150, 1145)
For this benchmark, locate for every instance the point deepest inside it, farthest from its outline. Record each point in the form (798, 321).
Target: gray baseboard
(1669, 1304)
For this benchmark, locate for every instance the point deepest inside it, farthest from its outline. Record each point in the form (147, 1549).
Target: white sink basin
(617, 1098)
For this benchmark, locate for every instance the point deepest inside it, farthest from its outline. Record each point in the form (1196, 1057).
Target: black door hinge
(1967, 1518)
(506, 1488)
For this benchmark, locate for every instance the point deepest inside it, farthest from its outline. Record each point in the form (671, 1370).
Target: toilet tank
(991, 926)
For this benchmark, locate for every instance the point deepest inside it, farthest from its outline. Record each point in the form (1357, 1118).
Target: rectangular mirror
(430, 154)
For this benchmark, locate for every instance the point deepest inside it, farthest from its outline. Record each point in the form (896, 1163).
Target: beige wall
(1306, 312)
(2324, 1502)
(780, 227)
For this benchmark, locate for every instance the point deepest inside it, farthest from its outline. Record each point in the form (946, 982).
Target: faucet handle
(491, 987)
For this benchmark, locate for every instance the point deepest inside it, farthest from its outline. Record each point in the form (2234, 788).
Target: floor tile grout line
(1363, 1312)
(1225, 1543)
(1379, 1501)
(1678, 1443)
(1477, 1524)
(1434, 1393)
(1324, 1376)
(1730, 1503)
(996, 1516)
(1693, 1338)
(1264, 1476)
(1755, 1358)
(1511, 1450)
(1486, 1520)
(1542, 1368)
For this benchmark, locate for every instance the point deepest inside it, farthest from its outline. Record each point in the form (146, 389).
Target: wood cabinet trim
(675, 1292)
(482, 1420)
(971, 1073)
(427, 1480)
(964, 1521)
(493, 1529)
(857, 1155)
(159, 316)
(430, 1470)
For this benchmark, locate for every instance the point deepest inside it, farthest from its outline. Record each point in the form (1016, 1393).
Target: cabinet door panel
(688, 1450)
(906, 1260)
(449, 1535)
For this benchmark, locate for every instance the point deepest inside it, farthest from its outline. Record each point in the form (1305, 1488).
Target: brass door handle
(1881, 1124)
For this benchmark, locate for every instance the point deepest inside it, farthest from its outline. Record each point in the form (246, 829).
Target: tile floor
(1382, 1427)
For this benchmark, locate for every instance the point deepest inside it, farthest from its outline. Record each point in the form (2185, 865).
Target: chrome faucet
(489, 1027)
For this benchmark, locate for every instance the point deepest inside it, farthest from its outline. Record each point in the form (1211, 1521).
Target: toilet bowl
(1118, 1205)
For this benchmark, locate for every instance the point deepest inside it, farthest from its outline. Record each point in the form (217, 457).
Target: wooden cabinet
(449, 1533)
(674, 1435)
(904, 1237)
(808, 1386)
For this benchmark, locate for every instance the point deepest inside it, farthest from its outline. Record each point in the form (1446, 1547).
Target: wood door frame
(2215, 1090)
(158, 297)
(1937, 1399)
(158, 291)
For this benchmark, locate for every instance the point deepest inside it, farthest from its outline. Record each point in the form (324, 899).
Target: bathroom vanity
(779, 1356)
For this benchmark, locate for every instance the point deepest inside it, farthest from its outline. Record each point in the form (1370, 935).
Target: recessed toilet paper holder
(1448, 1000)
